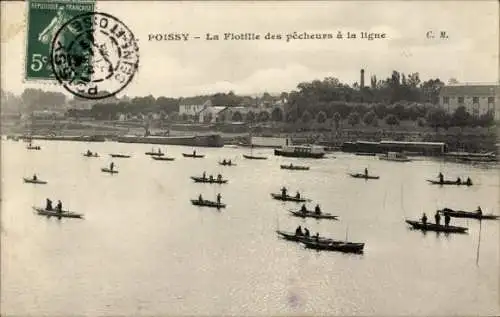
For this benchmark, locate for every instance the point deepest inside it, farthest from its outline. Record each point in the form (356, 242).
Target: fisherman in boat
(297, 195)
(469, 181)
(306, 233)
(224, 162)
(49, 205)
(211, 178)
(479, 210)
(317, 210)
(366, 172)
(200, 198)
(34, 177)
(303, 208)
(459, 181)
(437, 217)
(219, 196)
(89, 153)
(283, 192)
(219, 177)
(204, 176)
(447, 219)
(316, 237)
(298, 231)
(194, 152)
(441, 178)
(59, 206)
(111, 166)
(291, 165)
(424, 218)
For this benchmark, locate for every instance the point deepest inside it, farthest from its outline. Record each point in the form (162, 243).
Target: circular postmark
(94, 55)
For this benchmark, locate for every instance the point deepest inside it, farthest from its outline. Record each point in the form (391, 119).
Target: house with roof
(478, 99)
(193, 106)
(209, 114)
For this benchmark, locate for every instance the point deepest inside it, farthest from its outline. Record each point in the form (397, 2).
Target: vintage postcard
(235, 158)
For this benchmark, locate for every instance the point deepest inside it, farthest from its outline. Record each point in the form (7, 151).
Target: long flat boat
(253, 157)
(54, 213)
(159, 158)
(467, 214)
(207, 203)
(435, 227)
(120, 155)
(227, 164)
(155, 153)
(33, 147)
(359, 175)
(346, 247)
(446, 182)
(312, 214)
(91, 155)
(291, 236)
(198, 179)
(193, 155)
(289, 198)
(33, 181)
(107, 170)
(294, 167)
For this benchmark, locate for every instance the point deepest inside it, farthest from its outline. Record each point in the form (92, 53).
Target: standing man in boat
(479, 210)
(297, 195)
(437, 217)
(366, 172)
(298, 231)
(459, 181)
(111, 166)
(229, 162)
(219, 196)
(200, 198)
(447, 219)
(424, 219)
(441, 178)
(34, 177)
(303, 208)
(59, 206)
(283, 192)
(219, 177)
(48, 205)
(194, 152)
(224, 162)
(204, 176)
(469, 181)
(306, 233)
(317, 210)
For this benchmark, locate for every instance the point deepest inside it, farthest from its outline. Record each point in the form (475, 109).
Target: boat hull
(358, 175)
(346, 247)
(289, 198)
(159, 158)
(251, 157)
(120, 156)
(154, 153)
(468, 214)
(207, 203)
(86, 155)
(434, 227)
(193, 156)
(294, 168)
(226, 164)
(278, 152)
(207, 180)
(433, 182)
(53, 213)
(311, 214)
(107, 170)
(31, 181)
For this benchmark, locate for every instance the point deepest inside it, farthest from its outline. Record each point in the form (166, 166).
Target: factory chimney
(362, 80)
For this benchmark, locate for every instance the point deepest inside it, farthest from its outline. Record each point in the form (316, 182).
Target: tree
(321, 117)
(306, 116)
(369, 117)
(250, 117)
(392, 120)
(277, 114)
(337, 119)
(430, 90)
(460, 117)
(353, 118)
(264, 116)
(436, 117)
(237, 117)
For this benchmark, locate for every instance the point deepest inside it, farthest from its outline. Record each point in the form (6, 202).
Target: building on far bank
(478, 99)
(192, 106)
(209, 114)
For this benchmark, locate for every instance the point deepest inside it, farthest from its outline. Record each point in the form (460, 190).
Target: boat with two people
(208, 203)
(294, 167)
(34, 180)
(316, 214)
(364, 175)
(110, 170)
(120, 155)
(227, 163)
(90, 154)
(210, 179)
(285, 197)
(193, 155)
(33, 147)
(155, 153)
(442, 181)
(394, 156)
(477, 214)
(320, 243)
(58, 211)
(437, 227)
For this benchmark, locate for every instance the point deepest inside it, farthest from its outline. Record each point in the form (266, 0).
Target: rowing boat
(294, 167)
(158, 158)
(289, 198)
(207, 203)
(91, 155)
(467, 214)
(32, 181)
(193, 155)
(33, 147)
(227, 164)
(311, 214)
(120, 155)
(155, 153)
(253, 157)
(347, 247)
(54, 213)
(291, 236)
(107, 170)
(435, 227)
(448, 183)
(359, 175)
(208, 180)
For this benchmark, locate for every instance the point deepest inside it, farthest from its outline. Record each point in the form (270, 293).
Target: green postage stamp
(45, 18)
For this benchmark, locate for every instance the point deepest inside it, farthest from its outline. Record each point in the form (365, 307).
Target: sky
(195, 67)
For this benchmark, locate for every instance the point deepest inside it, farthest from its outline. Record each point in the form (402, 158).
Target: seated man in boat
(459, 181)
(224, 161)
(283, 192)
(111, 166)
(298, 231)
(211, 178)
(194, 152)
(89, 153)
(297, 195)
(317, 210)
(469, 181)
(424, 219)
(59, 206)
(291, 165)
(306, 233)
(200, 198)
(447, 219)
(316, 237)
(219, 177)
(159, 151)
(229, 162)
(303, 208)
(437, 217)
(49, 205)
(219, 196)
(34, 177)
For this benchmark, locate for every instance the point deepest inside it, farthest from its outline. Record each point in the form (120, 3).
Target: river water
(143, 249)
